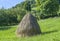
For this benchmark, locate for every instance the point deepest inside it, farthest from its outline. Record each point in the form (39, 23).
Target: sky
(9, 3)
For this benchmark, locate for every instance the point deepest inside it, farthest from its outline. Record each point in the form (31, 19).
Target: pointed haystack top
(28, 26)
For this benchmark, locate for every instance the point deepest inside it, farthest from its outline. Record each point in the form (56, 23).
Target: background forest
(41, 9)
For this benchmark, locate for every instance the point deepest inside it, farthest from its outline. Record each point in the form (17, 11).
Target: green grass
(50, 31)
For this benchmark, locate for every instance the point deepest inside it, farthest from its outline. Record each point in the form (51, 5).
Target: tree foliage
(41, 8)
(47, 7)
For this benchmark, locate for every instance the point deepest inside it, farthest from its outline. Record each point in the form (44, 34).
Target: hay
(28, 26)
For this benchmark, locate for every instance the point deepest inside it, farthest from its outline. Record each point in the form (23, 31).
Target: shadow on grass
(56, 39)
(49, 32)
(4, 27)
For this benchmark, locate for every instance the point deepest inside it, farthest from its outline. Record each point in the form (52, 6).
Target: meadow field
(50, 31)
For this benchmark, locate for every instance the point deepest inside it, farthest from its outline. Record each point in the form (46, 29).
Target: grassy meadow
(50, 31)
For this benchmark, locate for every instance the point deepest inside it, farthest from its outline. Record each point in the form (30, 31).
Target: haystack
(28, 26)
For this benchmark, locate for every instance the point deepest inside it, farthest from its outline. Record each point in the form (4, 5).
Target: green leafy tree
(27, 6)
(50, 8)
(47, 7)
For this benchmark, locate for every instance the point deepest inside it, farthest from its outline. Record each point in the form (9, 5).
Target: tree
(27, 6)
(51, 7)
(47, 7)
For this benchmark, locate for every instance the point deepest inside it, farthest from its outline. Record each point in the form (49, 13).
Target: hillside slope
(50, 31)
